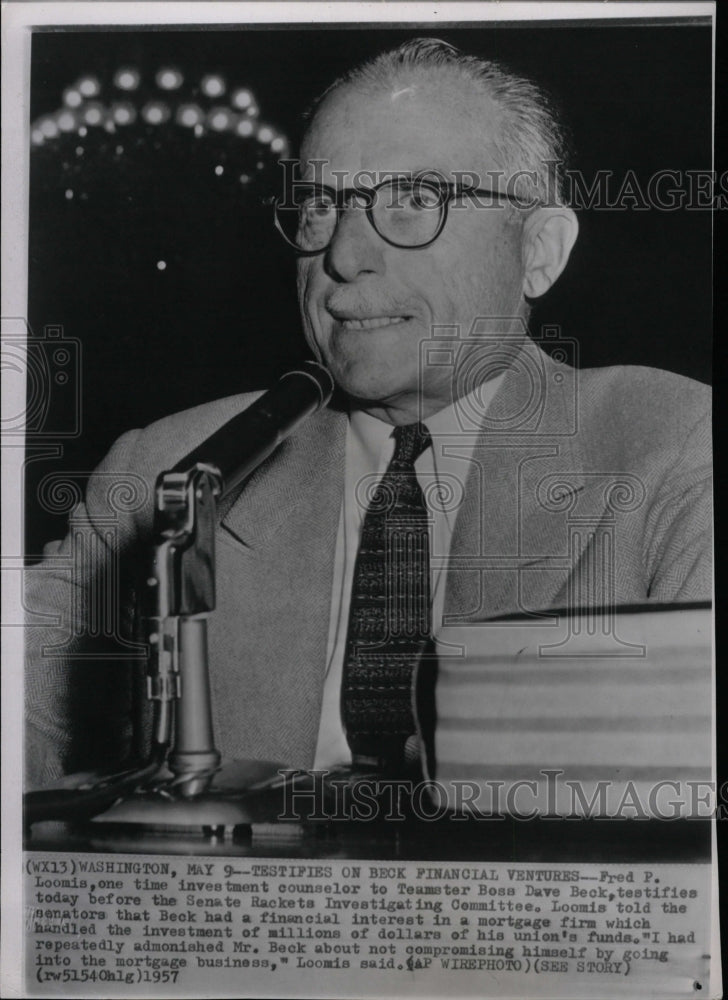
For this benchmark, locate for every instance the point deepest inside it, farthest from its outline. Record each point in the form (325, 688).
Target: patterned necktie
(390, 616)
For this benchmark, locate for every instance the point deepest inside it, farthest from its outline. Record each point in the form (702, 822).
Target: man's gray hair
(531, 140)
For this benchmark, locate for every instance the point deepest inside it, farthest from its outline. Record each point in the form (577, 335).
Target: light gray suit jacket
(584, 488)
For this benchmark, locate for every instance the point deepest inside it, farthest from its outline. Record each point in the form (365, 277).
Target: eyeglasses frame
(446, 191)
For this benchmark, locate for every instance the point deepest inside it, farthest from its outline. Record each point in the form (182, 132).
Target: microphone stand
(188, 786)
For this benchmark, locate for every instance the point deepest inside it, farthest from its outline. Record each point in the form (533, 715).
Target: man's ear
(548, 237)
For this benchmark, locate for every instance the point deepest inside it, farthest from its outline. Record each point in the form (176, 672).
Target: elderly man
(467, 476)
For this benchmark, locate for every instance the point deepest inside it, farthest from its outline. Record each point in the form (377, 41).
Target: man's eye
(317, 206)
(418, 197)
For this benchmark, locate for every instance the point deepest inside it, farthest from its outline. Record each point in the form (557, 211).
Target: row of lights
(168, 78)
(96, 115)
(81, 110)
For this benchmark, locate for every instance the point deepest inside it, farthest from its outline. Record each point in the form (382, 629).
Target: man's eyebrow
(428, 172)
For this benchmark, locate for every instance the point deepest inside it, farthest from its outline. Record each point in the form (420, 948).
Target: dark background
(222, 317)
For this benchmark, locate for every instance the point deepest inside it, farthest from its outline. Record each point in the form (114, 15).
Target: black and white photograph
(358, 547)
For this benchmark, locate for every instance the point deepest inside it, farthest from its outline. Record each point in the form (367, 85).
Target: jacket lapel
(275, 559)
(513, 547)
(292, 477)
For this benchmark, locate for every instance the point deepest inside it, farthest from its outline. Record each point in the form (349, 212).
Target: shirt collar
(370, 437)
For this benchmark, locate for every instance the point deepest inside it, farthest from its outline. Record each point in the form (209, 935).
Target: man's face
(367, 307)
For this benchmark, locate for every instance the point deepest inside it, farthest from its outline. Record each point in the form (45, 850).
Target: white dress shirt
(441, 470)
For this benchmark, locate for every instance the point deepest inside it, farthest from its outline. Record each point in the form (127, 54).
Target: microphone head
(320, 376)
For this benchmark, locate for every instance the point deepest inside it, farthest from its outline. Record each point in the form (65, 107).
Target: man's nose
(356, 249)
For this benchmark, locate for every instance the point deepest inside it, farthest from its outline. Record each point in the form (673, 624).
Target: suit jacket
(585, 488)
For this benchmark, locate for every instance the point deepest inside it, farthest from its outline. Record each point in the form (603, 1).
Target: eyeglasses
(409, 214)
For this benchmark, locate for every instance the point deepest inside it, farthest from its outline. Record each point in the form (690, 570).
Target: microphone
(240, 445)
(182, 582)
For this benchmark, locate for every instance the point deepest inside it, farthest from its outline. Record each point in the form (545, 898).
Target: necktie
(390, 616)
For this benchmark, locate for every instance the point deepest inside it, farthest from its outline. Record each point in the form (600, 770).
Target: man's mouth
(370, 323)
